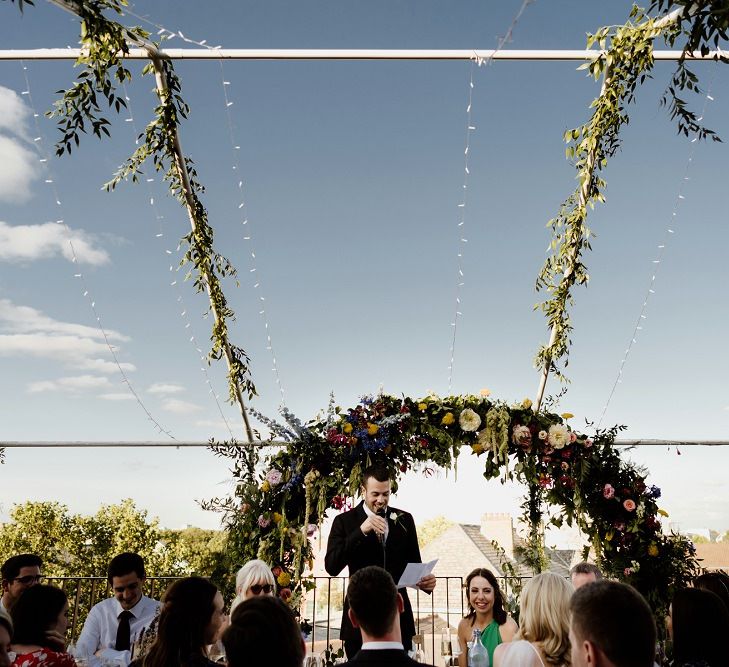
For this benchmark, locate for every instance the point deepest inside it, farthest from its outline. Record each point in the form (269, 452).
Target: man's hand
(427, 583)
(375, 523)
(56, 640)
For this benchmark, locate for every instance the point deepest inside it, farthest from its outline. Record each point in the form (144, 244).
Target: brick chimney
(498, 526)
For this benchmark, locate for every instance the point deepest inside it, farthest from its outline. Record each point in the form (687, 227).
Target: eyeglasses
(29, 579)
(256, 589)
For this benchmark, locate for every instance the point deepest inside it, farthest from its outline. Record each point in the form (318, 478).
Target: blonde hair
(545, 616)
(252, 572)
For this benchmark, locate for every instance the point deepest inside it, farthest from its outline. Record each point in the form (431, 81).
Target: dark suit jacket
(384, 657)
(349, 547)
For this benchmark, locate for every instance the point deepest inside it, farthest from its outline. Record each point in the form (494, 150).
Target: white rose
(469, 420)
(558, 436)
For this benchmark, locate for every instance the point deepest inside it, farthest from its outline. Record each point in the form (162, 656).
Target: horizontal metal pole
(278, 443)
(346, 54)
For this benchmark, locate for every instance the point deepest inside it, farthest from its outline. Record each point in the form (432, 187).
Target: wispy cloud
(179, 407)
(25, 331)
(74, 384)
(25, 243)
(117, 397)
(162, 388)
(19, 165)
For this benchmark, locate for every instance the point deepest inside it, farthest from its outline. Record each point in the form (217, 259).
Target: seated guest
(716, 582)
(18, 574)
(698, 623)
(584, 573)
(544, 625)
(375, 606)
(113, 624)
(6, 634)
(192, 613)
(263, 631)
(254, 578)
(485, 613)
(612, 626)
(40, 609)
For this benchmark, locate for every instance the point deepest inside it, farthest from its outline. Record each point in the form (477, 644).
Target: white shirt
(102, 623)
(382, 646)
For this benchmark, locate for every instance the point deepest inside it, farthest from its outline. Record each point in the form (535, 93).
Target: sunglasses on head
(29, 579)
(256, 589)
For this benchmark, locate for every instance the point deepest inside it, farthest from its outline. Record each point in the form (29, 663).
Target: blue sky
(352, 173)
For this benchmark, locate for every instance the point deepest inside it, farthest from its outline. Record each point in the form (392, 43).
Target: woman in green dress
(485, 613)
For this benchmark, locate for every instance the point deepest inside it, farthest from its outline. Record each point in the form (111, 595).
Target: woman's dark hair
(35, 612)
(263, 631)
(499, 613)
(716, 582)
(700, 623)
(187, 608)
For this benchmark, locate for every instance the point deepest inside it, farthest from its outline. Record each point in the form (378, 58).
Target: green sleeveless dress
(491, 638)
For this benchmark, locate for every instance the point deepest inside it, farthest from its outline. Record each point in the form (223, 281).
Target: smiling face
(376, 494)
(127, 589)
(27, 577)
(481, 595)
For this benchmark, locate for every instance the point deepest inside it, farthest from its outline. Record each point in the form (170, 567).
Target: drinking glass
(312, 661)
(446, 647)
(216, 652)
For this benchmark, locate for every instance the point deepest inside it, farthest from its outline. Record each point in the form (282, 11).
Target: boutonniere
(395, 518)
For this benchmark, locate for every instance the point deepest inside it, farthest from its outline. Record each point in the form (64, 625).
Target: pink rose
(608, 491)
(263, 522)
(588, 443)
(629, 505)
(573, 436)
(521, 436)
(628, 571)
(274, 477)
(285, 594)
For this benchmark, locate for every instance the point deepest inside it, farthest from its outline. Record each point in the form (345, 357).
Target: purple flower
(274, 477)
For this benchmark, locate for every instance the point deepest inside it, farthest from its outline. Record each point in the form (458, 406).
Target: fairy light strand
(44, 159)
(166, 34)
(657, 263)
(462, 206)
(160, 235)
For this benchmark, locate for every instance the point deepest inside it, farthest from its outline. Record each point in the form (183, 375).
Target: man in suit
(375, 607)
(374, 534)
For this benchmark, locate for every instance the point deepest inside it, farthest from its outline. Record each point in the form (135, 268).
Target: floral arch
(276, 511)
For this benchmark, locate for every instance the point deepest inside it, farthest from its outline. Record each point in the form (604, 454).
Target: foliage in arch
(275, 512)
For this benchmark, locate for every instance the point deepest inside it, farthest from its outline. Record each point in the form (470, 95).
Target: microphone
(382, 512)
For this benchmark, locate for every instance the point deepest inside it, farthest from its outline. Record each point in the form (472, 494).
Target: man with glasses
(113, 624)
(18, 574)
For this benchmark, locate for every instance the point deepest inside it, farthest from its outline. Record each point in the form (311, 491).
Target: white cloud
(19, 165)
(162, 388)
(73, 384)
(23, 243)
(117, 397)
(215, 423)
(25, 331)
(179, 407)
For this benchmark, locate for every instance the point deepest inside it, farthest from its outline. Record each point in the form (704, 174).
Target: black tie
(123, 633)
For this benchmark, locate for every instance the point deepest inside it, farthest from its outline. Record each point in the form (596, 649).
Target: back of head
(187, 607)
(263, 631)
(253, 572)
(12, 566)
(616, 619)
(35, 612)
(717, 583)
(372, 597)
(126, 563)
(545, 615)
(700, 624)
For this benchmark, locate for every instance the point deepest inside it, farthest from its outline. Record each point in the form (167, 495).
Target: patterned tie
(123, 633)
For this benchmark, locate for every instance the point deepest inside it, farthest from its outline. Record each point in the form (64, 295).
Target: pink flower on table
(608, 491)
(629, 505)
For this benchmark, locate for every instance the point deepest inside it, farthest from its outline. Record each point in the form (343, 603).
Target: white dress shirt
(102, 623)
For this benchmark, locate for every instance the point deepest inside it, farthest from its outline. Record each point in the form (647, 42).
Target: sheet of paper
(414, 572)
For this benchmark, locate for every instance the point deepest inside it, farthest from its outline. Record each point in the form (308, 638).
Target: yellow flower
(526, 404)
(277, 517)
(652, 550)
(372, 428)
(284, 579)
(347, 428)
(485, 393)
(422, 407)
(266, 486)
(478, 448)
(448, 419)
(662, 512)
(566, 415)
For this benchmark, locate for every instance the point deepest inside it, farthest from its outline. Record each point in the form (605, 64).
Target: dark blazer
(349, 547)
(384, 657)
